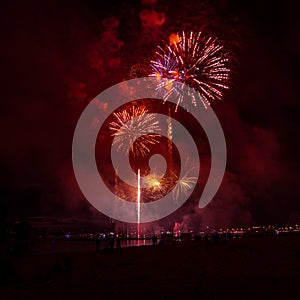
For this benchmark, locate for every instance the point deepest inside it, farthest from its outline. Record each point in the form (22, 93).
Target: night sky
(58, 55)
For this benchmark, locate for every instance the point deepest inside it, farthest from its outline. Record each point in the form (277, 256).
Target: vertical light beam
(139, 203)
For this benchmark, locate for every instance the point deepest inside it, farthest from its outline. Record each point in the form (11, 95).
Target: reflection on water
(133, 243)
(60, 246)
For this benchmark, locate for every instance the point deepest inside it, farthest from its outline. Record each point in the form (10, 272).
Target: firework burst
(157, 186)
(153, 181)
(193, 60)
(183, 185)
(133, 130)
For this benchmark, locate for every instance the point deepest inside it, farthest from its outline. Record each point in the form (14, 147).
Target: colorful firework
(193, 60)
(133, 130)
(183, 185)
(153, 181)
(157, 185)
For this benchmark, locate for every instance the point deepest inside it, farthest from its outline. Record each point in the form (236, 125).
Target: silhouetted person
(197, 238)
(98, 241)
(229, 236)
(111, 243)
(118, 242)
(206, 241)
(154, 240)
(216, 239)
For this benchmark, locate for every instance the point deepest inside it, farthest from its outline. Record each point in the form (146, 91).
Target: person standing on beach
(154, 240)
(98, 244)
(111, 243)
(118, 242)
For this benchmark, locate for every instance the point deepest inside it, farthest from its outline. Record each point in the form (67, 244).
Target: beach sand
(248, 268)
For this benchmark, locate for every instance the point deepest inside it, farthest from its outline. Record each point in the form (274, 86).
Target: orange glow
(169, 85)
(174, 38)
(157, 75)
(153, 180)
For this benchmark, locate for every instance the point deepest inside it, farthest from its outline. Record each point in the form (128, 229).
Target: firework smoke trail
(133, 123)
(193, 60)
(170, 132)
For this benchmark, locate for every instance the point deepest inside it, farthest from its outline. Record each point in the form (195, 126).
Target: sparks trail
(133, 130)
(193, 60)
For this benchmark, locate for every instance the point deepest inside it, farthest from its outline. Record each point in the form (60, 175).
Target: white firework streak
(184, 184)
(132, 124)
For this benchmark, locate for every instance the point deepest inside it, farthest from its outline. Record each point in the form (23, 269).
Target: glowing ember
(153, 181)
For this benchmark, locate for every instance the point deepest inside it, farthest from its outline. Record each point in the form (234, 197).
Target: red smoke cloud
(152, 18)
(61, 58)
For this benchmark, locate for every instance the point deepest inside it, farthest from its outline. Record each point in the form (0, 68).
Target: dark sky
(58, 55)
